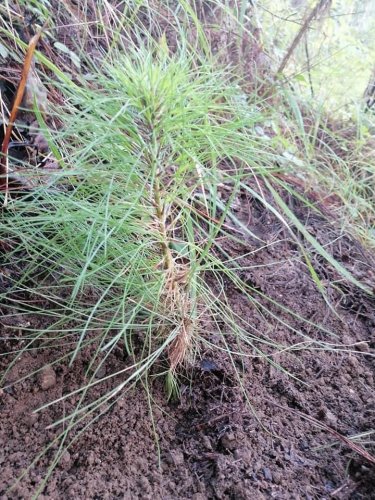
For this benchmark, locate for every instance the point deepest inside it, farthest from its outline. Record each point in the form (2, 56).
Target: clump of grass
(331, 160)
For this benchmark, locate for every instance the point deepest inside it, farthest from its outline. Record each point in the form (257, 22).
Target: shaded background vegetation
(335, 60)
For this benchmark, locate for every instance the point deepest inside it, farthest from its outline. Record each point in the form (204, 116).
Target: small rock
(330, 418)
(304, 445)
(65, 460)
(198, 496)
(90, 458)
(353, 361)
(267, 474)
(51, 165)
(347, 339)
(362, 347)
(175, 457)
(47, 378)
(207, 365)
(31, 419)
(229, 442)
(41, 143)
(101, 371)
(243, 454)
(277, 477)
(329, 486)
(207, 443)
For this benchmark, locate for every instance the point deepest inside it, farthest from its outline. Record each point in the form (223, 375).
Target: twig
(308, 66)
(321, 4)
(353, 446)
(4, 165)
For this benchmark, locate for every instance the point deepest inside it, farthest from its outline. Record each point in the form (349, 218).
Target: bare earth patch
(211, 443)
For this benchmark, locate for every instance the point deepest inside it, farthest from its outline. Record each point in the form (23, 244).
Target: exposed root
(181, 344)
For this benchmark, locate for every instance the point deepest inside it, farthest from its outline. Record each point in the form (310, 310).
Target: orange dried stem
(13, 115)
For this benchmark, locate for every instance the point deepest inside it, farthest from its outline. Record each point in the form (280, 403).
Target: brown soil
(211, 443)
(238, 431)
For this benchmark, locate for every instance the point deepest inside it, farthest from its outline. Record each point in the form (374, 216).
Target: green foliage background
(341, 46)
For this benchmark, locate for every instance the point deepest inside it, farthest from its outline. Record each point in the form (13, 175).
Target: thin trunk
(319, 7)
(369, 94)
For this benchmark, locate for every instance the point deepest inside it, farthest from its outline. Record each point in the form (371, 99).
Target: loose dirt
(213, 443)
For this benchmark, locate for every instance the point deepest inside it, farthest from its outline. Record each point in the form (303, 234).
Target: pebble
(9, 390)
(353, 361)
(65, 460)
(277, 477)
(175, 457)
(243, 454)
(101, 371)
(90, 458)
(229, 442)
(330, 418)
(31, 419)
(198, 496)
(47, 378)
(362, 347)
(41, 143)
(207, 443)
(267, 474)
